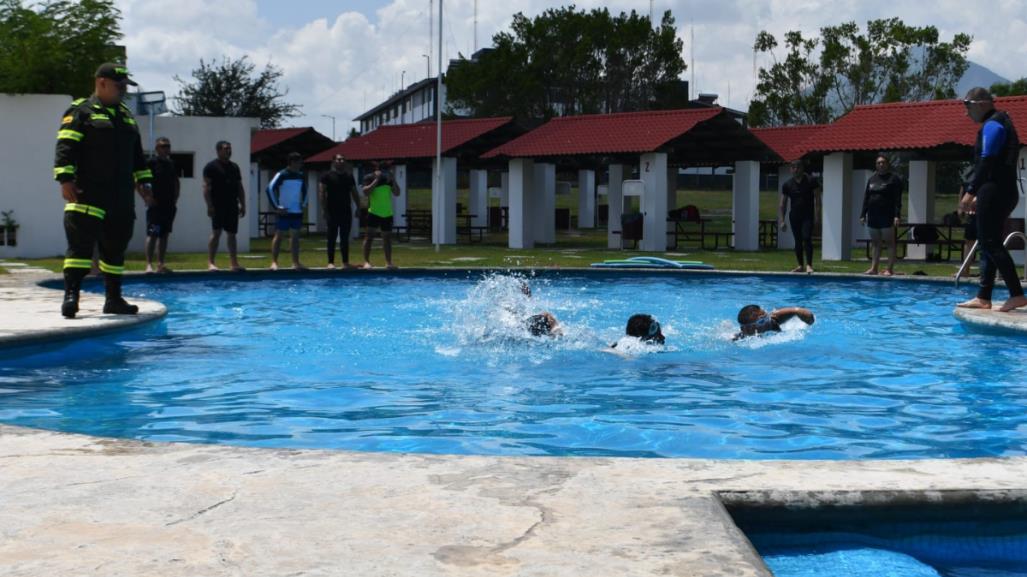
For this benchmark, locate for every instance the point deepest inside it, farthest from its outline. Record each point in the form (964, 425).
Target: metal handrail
(970, 254)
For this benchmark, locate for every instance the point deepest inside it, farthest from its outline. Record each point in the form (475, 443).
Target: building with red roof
(659, 142)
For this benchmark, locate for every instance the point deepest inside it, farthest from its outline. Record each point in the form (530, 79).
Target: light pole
(427, 63)
(333, 124)
(402, 80)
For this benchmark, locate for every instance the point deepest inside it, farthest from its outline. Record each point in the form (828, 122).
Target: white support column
(443, 204)
(544, 209)
(313, 211)
(653, 171)
(586, 199)
(745, 205)
(255, 185)
(354, 229)
(478, 200)
(521, 179)
(784, 237)
(399, 203)
(837, 202)
(921, 201)
(859, 187)
(615, 205)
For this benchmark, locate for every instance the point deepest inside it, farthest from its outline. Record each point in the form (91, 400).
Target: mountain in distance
(977, 75)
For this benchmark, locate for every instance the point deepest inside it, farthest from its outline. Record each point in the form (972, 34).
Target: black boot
(115, 305)
(72, 286)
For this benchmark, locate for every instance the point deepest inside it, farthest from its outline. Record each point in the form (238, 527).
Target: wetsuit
(339, 191)
(882, 201)
(994, 185)
(99, 149)
(800, 193)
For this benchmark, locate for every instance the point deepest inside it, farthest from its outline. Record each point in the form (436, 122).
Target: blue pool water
(440, 364)
(986, 540)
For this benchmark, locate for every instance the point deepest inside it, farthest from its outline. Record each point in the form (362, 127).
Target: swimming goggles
(654, 328)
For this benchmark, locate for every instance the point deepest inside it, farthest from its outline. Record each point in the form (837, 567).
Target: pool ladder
(973, 249)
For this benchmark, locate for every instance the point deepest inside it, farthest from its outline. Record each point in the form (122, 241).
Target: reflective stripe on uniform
(78, 263)
(99, 117)
(111, 269)
(130, 121)
(141, 174)
(85, 209)
(59, 170)
(69, 135)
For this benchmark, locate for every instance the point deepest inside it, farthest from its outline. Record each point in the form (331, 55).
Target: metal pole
(333, 124)
(437, 197)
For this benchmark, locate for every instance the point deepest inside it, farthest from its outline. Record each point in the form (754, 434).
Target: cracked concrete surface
(82, 505)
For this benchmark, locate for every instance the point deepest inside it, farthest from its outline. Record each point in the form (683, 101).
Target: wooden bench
(938, 238)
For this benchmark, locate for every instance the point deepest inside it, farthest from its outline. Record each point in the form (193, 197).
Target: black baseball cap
(116, 72)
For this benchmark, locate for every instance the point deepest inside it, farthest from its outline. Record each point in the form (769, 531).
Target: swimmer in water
(755, 321)
(543, 325)
(645, 328)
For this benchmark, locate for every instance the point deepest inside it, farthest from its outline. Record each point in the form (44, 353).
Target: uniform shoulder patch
(67, 119)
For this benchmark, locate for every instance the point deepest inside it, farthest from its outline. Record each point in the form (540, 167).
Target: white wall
(28, 125)
(29, 189)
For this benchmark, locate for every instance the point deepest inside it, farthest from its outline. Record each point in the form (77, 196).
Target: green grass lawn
(572, 248)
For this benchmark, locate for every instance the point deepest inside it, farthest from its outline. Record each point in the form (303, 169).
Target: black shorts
(159, 220)
(383, 223)
(225, 218)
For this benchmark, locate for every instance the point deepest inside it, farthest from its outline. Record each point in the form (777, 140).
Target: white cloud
(344, 64)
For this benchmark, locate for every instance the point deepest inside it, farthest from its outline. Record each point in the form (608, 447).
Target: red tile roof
(264, 139)
(789, 142)
(628, 132)
(909, 125)
(408, 141)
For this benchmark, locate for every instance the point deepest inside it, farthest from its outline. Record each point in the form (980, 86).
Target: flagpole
(438, 197)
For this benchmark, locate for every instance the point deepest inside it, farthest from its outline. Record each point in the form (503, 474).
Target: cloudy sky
(341, 57)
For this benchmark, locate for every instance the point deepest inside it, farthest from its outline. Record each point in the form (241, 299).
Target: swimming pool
(439, 363)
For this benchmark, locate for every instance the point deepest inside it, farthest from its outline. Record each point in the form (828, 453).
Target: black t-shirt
(164, 177)
(800, 195)
(339, 187)
(225, 180)
(884, 194)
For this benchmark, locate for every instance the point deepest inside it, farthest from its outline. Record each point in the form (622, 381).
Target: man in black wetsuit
(801, 190)
(337, 194)
(882, 209)
(993, 194)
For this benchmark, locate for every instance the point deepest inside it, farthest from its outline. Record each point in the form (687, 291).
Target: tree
(231, 89)
(1014, 88)
(823, 78)
(56, 46)
(569, 62)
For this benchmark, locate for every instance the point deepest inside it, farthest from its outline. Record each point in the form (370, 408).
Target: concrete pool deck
(81, 505)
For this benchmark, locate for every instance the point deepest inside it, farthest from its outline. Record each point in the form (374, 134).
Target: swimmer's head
(750, 314)
(541, 325)
(525, 288)
(645, 327)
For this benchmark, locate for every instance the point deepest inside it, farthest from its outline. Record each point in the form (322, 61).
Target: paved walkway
(78, 505)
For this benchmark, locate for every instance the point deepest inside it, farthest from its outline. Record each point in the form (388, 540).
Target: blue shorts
(289, 222)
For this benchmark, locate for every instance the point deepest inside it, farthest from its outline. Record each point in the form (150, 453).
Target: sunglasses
(967, 102)
(164, 146)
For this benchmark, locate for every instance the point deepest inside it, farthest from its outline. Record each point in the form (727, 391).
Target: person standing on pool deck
(993, 194)
(99, 162)
(882, 210)
(287, 193)
(337, 193)
(379, 187)
(226, 203)
(801, 190)
(161, 215)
